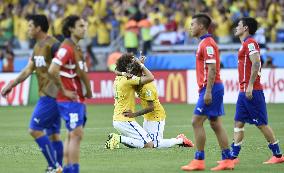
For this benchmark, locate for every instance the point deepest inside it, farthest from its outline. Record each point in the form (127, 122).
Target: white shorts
(155, 129)
(132, 129)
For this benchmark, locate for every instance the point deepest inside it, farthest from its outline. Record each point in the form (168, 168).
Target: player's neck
(41, 36)
(202, 33)
(244, 36)
(74, 39)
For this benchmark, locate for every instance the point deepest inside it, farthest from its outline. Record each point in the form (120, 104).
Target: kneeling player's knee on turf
(149, 145)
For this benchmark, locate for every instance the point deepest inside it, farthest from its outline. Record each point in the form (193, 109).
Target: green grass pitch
(19, 154)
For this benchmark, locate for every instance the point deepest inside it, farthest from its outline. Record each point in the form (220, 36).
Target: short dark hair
(251, 23)
(39, 20)
(204, 19)
(69, 22)
(123, 61)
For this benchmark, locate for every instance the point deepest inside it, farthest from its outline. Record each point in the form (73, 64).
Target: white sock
(166, 143)
(136, 143)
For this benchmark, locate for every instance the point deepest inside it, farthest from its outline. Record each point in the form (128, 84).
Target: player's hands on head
(70, 94)
(128, 114)
(249, 92)
(207, 98)
(142, 59)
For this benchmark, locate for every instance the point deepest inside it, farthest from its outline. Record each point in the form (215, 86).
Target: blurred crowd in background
(138, 23)
(158, 21)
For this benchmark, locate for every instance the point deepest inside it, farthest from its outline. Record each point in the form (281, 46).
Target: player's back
(148, 92)
(43, 54)
(124, 95)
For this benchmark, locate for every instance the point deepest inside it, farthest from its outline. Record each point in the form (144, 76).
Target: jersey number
(73, 119)
(39, 61)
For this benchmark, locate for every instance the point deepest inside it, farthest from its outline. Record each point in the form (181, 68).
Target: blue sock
(275, 149)
(199, 155)
(235, 150)
(58, 147)
(75, 168)
(226, 154)
(47, 150)
(67, 169)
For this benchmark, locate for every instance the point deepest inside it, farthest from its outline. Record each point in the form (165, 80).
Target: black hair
(69, 22)
(134, 68)
(251, 23)
(39, 20)
(203, 19)
(123, 61)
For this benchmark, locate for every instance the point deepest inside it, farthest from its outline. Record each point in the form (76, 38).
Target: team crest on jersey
(148, 93)
(251, 47)
(209, 50)
(61, 53)
(39, 61)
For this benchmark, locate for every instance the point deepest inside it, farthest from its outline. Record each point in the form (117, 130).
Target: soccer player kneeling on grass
(153, 112)
(132, 134)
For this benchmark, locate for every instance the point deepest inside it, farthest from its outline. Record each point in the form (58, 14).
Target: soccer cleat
(227, 164)
(186, 141)
(274, 160)
(113, 141)
(236, 161)
(194, 165)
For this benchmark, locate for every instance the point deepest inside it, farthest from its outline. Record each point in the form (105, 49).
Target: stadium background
(111, 24)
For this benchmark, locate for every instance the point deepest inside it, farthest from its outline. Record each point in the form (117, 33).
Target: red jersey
(65, 57)
(207, 53)
(249, 47)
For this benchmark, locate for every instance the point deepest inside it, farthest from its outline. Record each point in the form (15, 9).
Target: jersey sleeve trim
(253, 52)
(57, 61)
(211, 61)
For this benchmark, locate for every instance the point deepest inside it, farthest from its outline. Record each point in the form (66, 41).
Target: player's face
(194, 28)
(32, 30)
(80, 29)
(240, 29)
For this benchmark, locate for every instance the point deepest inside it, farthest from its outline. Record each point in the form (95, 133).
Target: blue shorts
(46, 116)
(251, 111)
(73, 113)
(216, 108)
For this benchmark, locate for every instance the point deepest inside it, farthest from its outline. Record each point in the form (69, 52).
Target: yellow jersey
(124, 95)
(148, 92)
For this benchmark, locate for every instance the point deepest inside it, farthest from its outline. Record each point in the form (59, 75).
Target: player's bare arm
(148, 76)
(148, 109)
(53, 72)
(255, 60)
(26, 72)
(210, 83)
